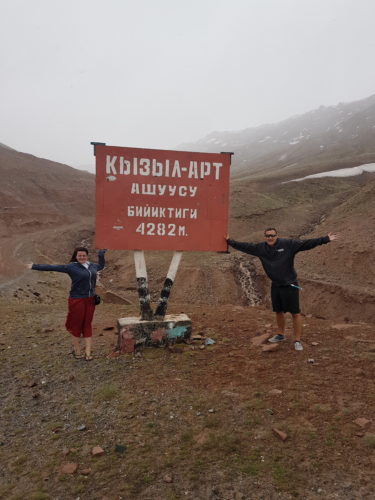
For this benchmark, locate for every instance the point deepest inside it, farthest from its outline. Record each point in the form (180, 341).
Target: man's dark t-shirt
(278, 259)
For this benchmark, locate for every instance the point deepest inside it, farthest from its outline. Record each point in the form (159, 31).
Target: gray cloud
(158, 73)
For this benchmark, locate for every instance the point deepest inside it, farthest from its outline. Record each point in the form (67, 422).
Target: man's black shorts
(285, 298)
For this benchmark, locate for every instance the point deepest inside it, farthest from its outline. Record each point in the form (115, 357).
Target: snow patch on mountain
(342, 172)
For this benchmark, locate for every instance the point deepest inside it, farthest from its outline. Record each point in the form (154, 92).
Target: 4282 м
(160, 229)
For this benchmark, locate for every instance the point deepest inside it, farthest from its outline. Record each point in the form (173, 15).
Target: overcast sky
(157, 73)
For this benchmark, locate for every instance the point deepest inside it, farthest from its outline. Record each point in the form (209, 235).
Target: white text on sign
(162, 212)
(161, 229)
(118, 165)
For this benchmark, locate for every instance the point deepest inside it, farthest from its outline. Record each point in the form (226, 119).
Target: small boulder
(280, 434)
(113, 298)
(230, 394)
(86, 471)
(260, 339)
(270, 347)
(342, 326)
(97, 451)
(69, 468)
(362, 422)
(31, 383)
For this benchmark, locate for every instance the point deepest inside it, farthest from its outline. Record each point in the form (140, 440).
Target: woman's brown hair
(76, 250)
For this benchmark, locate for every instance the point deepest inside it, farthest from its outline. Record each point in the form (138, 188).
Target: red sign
(150, 199)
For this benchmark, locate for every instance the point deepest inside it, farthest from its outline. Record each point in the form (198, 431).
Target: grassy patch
(212, 422)
(39, 495)
(253, 422)
(250, 465)
(55, 426)
(369, 439)
(311, 435)
(329, 441)
(187, 437)
(18, 461)
(322, 408)
(106, 392)
(282, 476)
(223, 443)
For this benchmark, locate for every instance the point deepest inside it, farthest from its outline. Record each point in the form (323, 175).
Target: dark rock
(120, 448)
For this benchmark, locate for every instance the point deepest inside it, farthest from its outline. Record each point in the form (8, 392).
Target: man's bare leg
(297, 326)
(280, 320)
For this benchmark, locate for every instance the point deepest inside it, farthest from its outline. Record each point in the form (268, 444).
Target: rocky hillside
(40, 201)
(338, 279)
(37, 193)
(322, 139)
(48, 208)
(200, 420)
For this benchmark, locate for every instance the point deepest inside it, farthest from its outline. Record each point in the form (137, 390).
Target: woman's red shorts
(80, 314)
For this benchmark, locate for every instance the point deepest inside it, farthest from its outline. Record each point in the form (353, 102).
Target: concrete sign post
(149, 199)
(166, 290)
(142, 285)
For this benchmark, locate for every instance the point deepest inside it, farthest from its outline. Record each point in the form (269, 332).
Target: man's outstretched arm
(250, 248)
(303, 245)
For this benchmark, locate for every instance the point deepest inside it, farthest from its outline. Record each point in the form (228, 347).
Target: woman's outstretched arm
(63, 268)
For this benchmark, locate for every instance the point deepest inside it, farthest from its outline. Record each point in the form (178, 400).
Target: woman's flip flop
(76, 356)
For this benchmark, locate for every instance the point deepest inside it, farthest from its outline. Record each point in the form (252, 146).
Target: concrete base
(134, 333)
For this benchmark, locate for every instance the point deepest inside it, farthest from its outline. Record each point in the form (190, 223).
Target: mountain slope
(44, 204)
(50, 209)
(35, 192)
(335, 136)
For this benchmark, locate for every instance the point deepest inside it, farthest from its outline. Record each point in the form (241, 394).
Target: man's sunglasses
(270, 235)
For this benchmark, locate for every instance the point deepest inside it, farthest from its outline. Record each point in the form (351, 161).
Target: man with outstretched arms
(277, 258)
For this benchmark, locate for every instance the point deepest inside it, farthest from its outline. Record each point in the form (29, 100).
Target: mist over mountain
(322, 139)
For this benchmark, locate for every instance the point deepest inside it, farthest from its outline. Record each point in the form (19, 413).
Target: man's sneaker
(298, 346)
(277, 338)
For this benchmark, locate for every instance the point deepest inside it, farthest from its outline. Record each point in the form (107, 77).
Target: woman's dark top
(83, 280)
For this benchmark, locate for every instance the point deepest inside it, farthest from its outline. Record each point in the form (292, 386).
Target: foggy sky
(157, 73)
